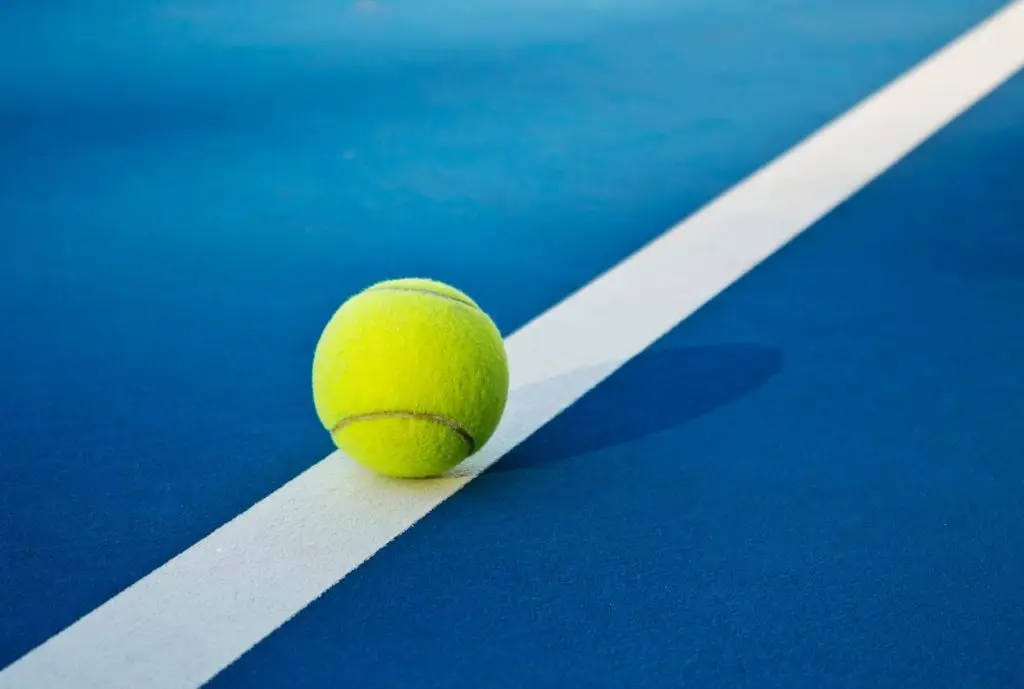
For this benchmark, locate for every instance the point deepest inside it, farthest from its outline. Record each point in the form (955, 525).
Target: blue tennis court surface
(816, 480)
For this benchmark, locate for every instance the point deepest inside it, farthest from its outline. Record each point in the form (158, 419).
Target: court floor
(760, 269)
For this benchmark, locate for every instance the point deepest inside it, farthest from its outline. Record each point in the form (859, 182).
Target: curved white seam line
(427, 292)
(466, 436)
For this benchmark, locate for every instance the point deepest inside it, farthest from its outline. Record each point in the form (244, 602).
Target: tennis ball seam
(427, 292)
(459, 430)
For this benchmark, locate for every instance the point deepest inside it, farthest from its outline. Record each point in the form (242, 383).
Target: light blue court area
(813, 481)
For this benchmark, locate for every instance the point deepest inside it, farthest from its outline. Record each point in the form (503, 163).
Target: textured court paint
(185, 622)
(814, 481)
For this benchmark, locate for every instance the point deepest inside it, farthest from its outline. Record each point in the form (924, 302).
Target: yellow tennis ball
(410, 377)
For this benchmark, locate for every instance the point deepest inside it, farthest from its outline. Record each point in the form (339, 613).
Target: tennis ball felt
(410, 377)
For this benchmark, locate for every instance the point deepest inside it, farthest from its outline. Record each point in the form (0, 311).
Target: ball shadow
(658, 390)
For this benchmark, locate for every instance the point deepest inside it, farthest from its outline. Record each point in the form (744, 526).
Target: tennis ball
(410, 377)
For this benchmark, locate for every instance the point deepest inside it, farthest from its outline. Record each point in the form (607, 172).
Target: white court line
(182, 624)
